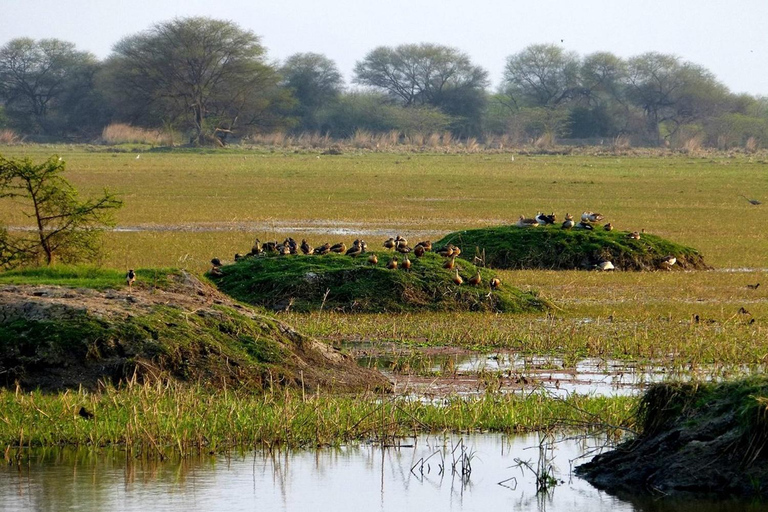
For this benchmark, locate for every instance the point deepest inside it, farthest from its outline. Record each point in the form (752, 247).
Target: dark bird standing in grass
(475, 279)
(85, 413)
(457, 278)
(753, 286)
(130, 278)
(406, 264)
(392, 265)
(323, 249)
(449, 264)
(305, 247)
(355, 250)
(751, 201)
(339, 248)
(419, 251)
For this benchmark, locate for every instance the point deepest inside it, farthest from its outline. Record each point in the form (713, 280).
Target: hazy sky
(730, 38)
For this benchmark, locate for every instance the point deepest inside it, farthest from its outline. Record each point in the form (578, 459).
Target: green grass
(83, 276)
(160, 420)
(338, 282)
(551, 247)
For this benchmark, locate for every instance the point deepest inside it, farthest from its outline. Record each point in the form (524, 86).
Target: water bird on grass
(406, 263)
(633, 235)
(457, 278)
(85, 413)
(495, 283)
(389, 244)
(426, 244)
(591, 217)
(130, 278)
(339, 248)
(450, 263)
(399, 240)
(605, 266)
(256, 249)
(568, 223)
(446, 251)
(753, 286)
(419, 251)
(403, 248)
(585, 225)
(543, 219)
(323, 249)
(751, 201)
(522, 222)
(475, 279)
(392, 265)
(608, 227)
(269, 247)
(355, 250)
(305, 247)
(667, 262)
(373, 259)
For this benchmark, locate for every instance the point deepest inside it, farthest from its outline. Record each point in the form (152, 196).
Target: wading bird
(130, 278)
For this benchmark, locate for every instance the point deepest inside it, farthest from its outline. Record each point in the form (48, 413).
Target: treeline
(211, 81)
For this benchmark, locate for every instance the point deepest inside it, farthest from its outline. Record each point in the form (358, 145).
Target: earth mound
(697, 440)
(54, 337)
(550, 247)
(343, 283)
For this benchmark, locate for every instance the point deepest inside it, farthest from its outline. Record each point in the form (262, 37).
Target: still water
(473, 473)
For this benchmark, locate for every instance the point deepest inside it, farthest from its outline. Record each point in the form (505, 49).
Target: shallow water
(352, 478)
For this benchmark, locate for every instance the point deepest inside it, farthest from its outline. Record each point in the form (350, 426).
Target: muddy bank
(177, 328)
(699, 441)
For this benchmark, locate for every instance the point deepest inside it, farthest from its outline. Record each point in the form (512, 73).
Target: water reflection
(417, 476)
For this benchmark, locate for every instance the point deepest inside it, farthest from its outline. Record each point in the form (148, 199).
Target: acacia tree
(43, 82)
(427, 75)
(64, 226)
(208, 74)
(315, 82)
(541, 75)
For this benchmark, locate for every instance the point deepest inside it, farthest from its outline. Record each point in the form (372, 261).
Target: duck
(363, 245)
(604, 266)
(608, 227)
(595, 217)
(269, 247)
(495, 283)
(456, 251)
(284, 250)
(475, 279)
(403, 248)
(633, 235)
(399, 240)
(585, 216)
(355, 250)
(216, 262)
(426, 244)
(522, 222)
(130, 278)
(305, 247)
(446, 251)
(373, 259)
(543, 219)
(667, 262)
(323, 249)
(239, 256)
(450, 263)
(568, 222)
(392, 265)
(419, 251)
(389, 244)
(406, 263)
(256, 249)
(339, 248)
(585, 225)
(457, 278)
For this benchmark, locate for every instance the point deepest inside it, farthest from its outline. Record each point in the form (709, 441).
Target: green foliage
(353, 285)
(65, 227)
(551, 247)
(209, 75)
(315, 82)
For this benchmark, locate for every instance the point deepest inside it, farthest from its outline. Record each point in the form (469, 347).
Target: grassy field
(194, 205)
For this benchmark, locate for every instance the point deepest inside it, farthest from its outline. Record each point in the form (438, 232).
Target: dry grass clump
(120, 133)
(8, 136)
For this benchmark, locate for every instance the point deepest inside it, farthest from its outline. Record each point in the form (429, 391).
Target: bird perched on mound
(403, 248)
(392, 265)
(633, 235)
(373, 259)
(450, 263)
(323, 249)
(446, 251)
(216, 262)
(522, 222)
(475, 279)
(339, 248)
(495, 283)
(568, 222)
(419, 251)
(256, 249)
(389, 243)
(130, 278)
(355, 250)
(457, 278)
(608, 227)
(269, 247)
(426, 244)
(667, 262)
(406, 263)
(543, 220)
(591, 217)
(584, 224)
(305, 247)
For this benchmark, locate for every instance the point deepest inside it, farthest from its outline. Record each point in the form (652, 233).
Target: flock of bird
(396, 244)
(588, 222)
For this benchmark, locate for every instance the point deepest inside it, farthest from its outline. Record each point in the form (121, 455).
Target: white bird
(667, 262)
(526, 223)
(605, 266)
(138, 156)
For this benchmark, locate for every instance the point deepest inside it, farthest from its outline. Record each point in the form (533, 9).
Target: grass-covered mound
(702, 439)
(551, 247)
(343, 283)
(169, 326)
